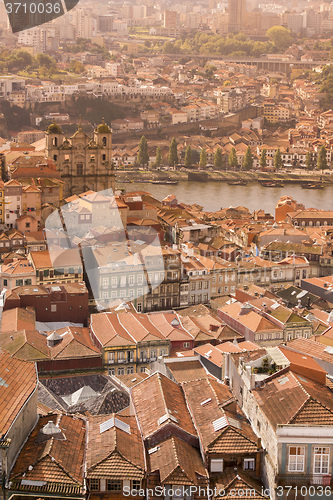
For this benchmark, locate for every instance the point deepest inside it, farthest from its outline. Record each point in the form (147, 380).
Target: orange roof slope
(18, 380)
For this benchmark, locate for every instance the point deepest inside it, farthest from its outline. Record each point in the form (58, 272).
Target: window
(139, 307)
(103, 157)
(19, 283)
(53, 308)
(140, 279)
(216, 465)
(5, 282)
(249, 464)
(121, 371)
(206, 284)
(94, 484)
(131, 280)
(130, 370)
(110, 357)
(296, 459)
(136, 484)
(200, 285)
(192, 286)
(321, 460)
(186, 344)
(143, 369)
(111, 371)
(113, 485)
(104, 141)
(28, 282)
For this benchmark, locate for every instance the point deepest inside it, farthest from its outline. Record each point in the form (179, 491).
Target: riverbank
(214, 195)
(288, 178)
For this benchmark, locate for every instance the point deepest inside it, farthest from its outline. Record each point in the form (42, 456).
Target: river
(214, 195)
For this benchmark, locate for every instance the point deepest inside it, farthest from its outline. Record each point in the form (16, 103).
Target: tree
(248, 160)
(203, 158)
(263, 159)
(278, 160)
(188, 157)
(173, 153)
(280, 36)
(46, 60)
(143, 156)
(76, 67)
(218, 159)
(322, 159)
(233, 162)
(158, 157)
(308, 161)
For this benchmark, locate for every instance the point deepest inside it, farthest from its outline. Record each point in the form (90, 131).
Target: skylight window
(114, 422)
(220, 423)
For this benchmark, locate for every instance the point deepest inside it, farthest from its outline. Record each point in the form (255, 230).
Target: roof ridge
(214, 392)
(159, 378)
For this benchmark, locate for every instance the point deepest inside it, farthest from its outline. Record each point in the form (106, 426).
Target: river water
(214, 195)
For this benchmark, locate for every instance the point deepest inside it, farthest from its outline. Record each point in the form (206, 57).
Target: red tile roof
(157, 396)
(114, 453)
(177, 462)
(58, 463)
(18, 380)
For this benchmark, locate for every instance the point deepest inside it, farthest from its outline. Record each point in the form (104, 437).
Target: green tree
(218, 159)
(45, 60)
(322, 159)
(278, 159)
(76, 67)
(263, 159)
(158, 157)
(308, 161)
(248, 160)
(143, 156)
(280, 36)
(233, 162)
(203, 158)
(188, 157)
(173, 153)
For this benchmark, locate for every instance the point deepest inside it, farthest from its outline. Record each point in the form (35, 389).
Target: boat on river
(272, 184)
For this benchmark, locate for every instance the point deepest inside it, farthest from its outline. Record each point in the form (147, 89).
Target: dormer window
(248, 464)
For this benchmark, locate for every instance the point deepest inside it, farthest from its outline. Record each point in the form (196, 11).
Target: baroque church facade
(85, 163)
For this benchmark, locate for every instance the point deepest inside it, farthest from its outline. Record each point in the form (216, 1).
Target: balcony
(305, 480)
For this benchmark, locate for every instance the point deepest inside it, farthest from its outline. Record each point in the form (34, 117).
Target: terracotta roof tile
(18, 380)
(114, 453)
(177, 462)
(57, 462)
(209, 404)
(289, 396)
(157, 396)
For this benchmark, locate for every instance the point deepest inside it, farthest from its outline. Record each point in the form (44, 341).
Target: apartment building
(129, 342)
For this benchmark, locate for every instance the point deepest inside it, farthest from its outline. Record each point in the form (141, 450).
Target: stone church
(85, 163)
